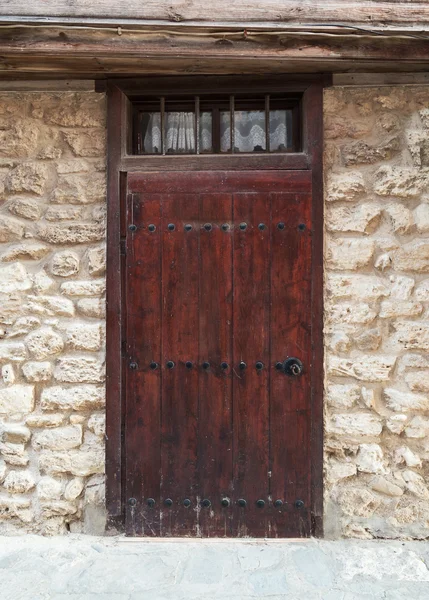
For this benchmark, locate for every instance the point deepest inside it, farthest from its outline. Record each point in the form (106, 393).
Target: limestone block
(81, 462)
(412, 361)
(14, 278)
(359, 218)
(49, 488)
(17, 399)
(77, 419)
(345, 186)
(70, 233)
(8, 374)
(44, 342)
(421, 218)
(342, 396)
(70, 369)
(411, 334)
(390, 309)
(71, 110)
(83, 397)
(14, 454)
(364, 368)
(43, 283)
(346, 312)
(97, 260)
(336, 470)
(73, 165)
(14, 433)
(401, 218)
(339, 126)
(355, 424)
(97, 424)
(35, 372)
(383, 261)
(64, 213)
(3, 470)
(349, 254)
(424, 116)
(96, 287)
(339, 341)
(368, 398)
(25, 251)
(10, 506)
(361, 153)
(369, 340)
(57, 507)
(413, 256)
(58, 438)
(358, 287)
(407, 456)
(80, 188)
(384, 486)
(26, 208)
(370, 459)
(396, 423)
(415, 484)
(19, 482)
(87, 143)
(65, 264)
(358, 502)
(399, 182)
(73, 489)
(50, 306)
(83, 337)
(49, 420)
(417, 428)
(422, 291)
(401, 287)
(418, 381)
(18, 138)
(28, 177)
(418, 146)
(400, 401)
(92, 307)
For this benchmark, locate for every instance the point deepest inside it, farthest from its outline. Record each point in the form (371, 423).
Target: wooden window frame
(120, 96)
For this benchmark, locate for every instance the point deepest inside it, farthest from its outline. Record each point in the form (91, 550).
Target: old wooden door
(218, 298)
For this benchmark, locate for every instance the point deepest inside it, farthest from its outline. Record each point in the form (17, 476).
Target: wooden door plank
(142, 433)
(215, 387)
(251, 318)
(291, 337)
(179, 344)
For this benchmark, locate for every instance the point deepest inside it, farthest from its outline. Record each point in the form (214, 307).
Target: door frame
(120, 93)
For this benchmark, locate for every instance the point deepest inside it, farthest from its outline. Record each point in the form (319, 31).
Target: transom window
(217, 125)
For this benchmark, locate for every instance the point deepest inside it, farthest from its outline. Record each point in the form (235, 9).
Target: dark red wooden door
(218, 296)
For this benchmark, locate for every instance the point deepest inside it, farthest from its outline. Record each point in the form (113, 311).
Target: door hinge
(123, 246)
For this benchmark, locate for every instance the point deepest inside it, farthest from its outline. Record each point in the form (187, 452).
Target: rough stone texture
(52, 188)
(377, 312)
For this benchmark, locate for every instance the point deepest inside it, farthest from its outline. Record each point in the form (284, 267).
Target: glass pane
(280, 130)
(225, 131)
(206, 134)
(249, 131)
(180, 133)
(150, 133)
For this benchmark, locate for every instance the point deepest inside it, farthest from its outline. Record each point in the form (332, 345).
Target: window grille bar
(162, 124)
(197, 124)
(267, 123)
(232, 122)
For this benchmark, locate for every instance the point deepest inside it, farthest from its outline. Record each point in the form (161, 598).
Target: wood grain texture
(177, 11)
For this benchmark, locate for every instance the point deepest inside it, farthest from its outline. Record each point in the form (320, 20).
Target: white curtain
(249, 132)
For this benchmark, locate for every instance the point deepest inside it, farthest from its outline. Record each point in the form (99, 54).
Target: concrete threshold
(78, 567)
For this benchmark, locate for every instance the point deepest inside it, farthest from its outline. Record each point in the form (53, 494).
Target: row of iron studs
(225, 502)
(170, 364)
(209, 227)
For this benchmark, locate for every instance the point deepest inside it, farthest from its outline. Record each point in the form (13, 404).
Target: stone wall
(52, 265)
(377, 319)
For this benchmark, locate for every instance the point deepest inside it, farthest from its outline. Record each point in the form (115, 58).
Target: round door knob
(293, 367)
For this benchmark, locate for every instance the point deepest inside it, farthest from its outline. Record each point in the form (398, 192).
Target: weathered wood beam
(87, 52)
(375, 12)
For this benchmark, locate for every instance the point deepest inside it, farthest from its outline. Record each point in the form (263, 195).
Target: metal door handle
(293, 367)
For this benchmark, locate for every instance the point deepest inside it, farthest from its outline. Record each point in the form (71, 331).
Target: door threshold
(181, 540)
